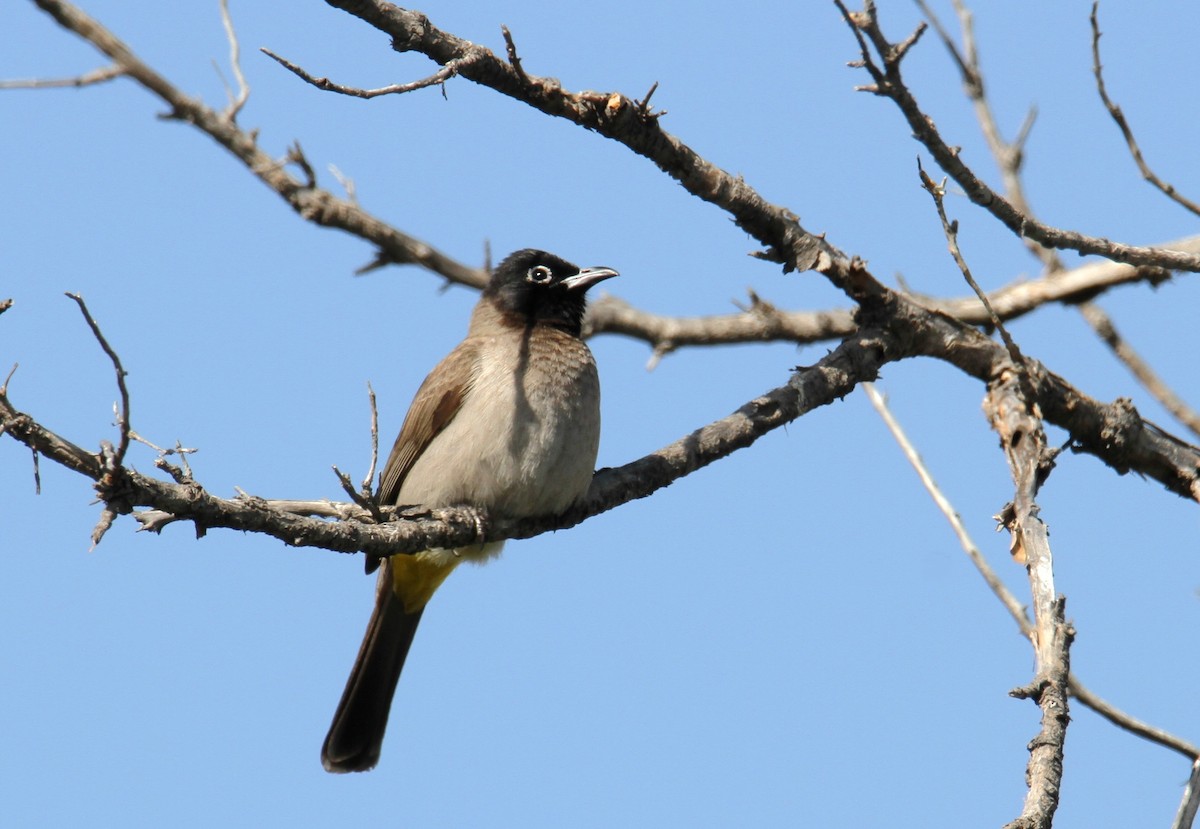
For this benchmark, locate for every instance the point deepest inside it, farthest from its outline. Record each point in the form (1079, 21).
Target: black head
(539, 287)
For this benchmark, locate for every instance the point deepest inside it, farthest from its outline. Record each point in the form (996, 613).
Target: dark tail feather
(356, 734)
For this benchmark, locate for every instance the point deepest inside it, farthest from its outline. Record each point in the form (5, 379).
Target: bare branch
(1114, 433)
(312, 203)
(1009, 156)
(363, 497)
(346, 182)
(1001, 591)
(889, 83)
(369, 480)
(828, 381)
(612, 315)
(614, 116)
(41, 440)
(1014, 607)
(1030, 461)
(644, 103)
(1119, 119)
(321, 207)
(1049, 691)
(181, 474)
(1009, 159)
(951, 230)
(238, 101)
(357, 497)
(1103, 325)
(96, 76)
(440, 77)
(107, 485)
(511, 49)
(123, 417)
(1139, 445)
(1130, 723)
(1188, 807)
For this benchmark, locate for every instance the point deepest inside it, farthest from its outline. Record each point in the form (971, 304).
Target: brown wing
(436, 403)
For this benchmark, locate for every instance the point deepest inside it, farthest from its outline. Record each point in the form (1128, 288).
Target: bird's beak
(587, 277)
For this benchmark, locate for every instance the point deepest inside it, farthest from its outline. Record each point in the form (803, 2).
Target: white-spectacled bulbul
(509, 421)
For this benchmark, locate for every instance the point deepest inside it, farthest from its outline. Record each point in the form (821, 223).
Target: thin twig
(1131, 723)
(1009, 156)
(108, 514)
(831, 379)
(511, 49)
(236, 102)
(110, 460)
(1009, 159)
(369, 481)
(123, 417)
(888, 82)
(1118, 117)
(181, 474)
(1006, 596)
(315, 205)
(1103, 325)
(950, 228)
(348, 186)
(644, 104)
(1144, 447)
(100, 75)
(448, 71)
(1014, 607)
(355, 495)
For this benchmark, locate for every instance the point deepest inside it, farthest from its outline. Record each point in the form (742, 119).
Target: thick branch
(318, 205)
(1190, 804)
(1016, 610)
(764, 323)
(612, 115)
(1114, 434)
(828, 381)
(1030, 461)
(1009, 158)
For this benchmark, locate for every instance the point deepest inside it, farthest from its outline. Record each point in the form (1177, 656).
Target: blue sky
(791, 636)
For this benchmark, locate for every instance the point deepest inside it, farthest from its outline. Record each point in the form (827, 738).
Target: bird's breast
(525, 438)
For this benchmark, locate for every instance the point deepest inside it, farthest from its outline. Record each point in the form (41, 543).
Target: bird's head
(539, 287)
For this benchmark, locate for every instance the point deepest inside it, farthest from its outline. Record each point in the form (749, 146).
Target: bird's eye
(540, 275)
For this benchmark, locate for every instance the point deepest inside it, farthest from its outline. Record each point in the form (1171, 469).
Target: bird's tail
(356, 734)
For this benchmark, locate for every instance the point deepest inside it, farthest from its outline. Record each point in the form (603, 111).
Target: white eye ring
(539, 274)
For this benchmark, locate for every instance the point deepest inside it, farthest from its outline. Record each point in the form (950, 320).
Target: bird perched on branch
(509, 421)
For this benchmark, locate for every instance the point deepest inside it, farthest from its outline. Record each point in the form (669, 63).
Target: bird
(508, 421)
